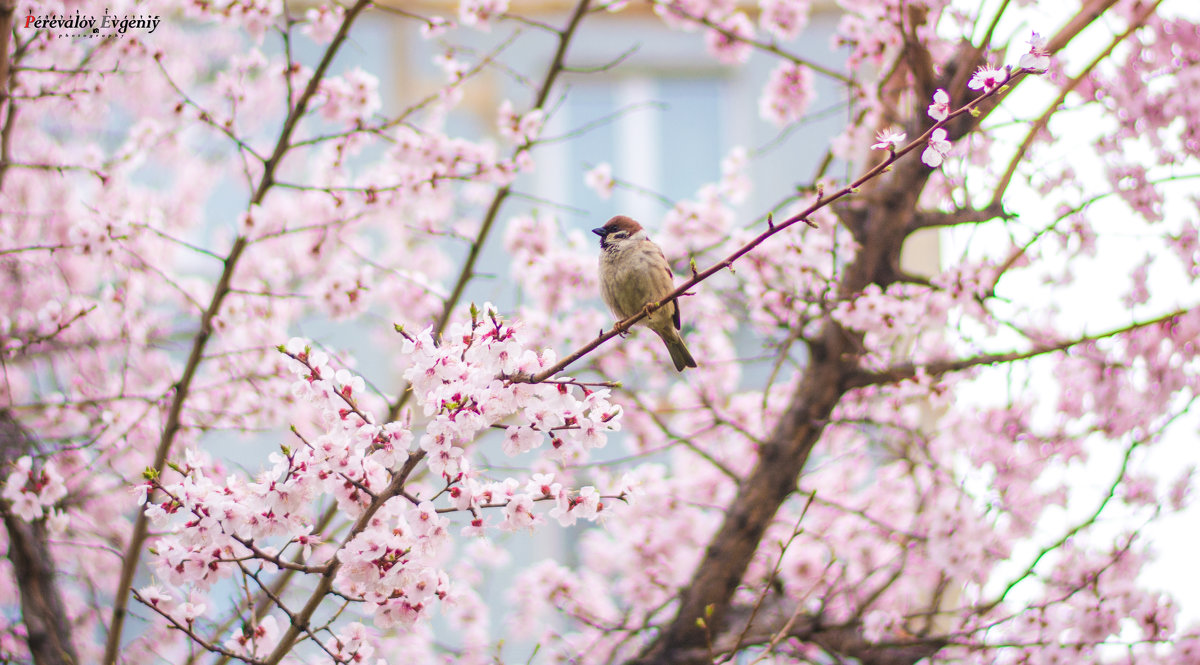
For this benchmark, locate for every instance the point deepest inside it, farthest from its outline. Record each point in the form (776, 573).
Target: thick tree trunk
(46, 624)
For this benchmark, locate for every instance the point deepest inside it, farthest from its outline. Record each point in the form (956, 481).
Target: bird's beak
(600, 232)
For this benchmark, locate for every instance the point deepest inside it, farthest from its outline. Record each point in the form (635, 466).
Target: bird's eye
(620, 235)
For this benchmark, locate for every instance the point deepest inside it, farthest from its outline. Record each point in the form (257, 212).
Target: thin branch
(771, 48)
(182, 387)
(937, 368)
(595, 69)
(1040, 124)
(468, 269)
(930, 219)
(1068, 534)
(822, 201)
(299, 623)
(208, 118)
(797, 529)
(187, 629)
(259, 603)
(685, 441)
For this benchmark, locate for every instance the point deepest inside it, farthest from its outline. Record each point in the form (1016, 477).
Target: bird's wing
(671, 281)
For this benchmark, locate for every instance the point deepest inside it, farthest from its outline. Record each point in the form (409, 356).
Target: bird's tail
(679, 352)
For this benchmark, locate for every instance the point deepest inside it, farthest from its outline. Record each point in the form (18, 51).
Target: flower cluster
(869, 28)
(886, 317)
(466, 385)
(788, 93)
(321, 23)
(388, 563)
(728, 41)
(784, 19)
(32, 493)
(519, 130)
(556, 272)
(350, 98)
(481, 14)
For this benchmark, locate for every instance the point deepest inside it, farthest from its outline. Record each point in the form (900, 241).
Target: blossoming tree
(846, 502)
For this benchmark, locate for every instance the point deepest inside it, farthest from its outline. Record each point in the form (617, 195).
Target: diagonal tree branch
(935, 368)
(300, 621)
(1040, 124)
(893, 161)
(932, 219)
(467, 273)
(137, 538)
(774, 624)
(7, 9)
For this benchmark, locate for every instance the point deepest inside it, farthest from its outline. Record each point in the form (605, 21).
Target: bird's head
(617, 230)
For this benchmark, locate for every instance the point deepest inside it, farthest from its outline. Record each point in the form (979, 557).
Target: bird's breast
(632, 276)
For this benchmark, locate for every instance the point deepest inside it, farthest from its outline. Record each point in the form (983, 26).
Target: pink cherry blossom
(31, 491)
(354, 96)
(783, 19)
(727, 44)
(937, 149)
(987, 78)
(787, 94)
(435, 27)
(888, 139)
(600, 180)
(481, 14)
(519, 129)
(940, 109)
(1037, 59)
(322, 22)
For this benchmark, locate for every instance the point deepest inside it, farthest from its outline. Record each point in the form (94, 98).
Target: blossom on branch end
(888, 139)
(519, 129)
(1038, 58)
(988, 79)
(435, 27)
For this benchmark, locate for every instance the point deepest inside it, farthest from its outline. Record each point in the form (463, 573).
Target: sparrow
(634, 273)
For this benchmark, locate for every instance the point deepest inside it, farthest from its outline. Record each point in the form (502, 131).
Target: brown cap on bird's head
(618, 223)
